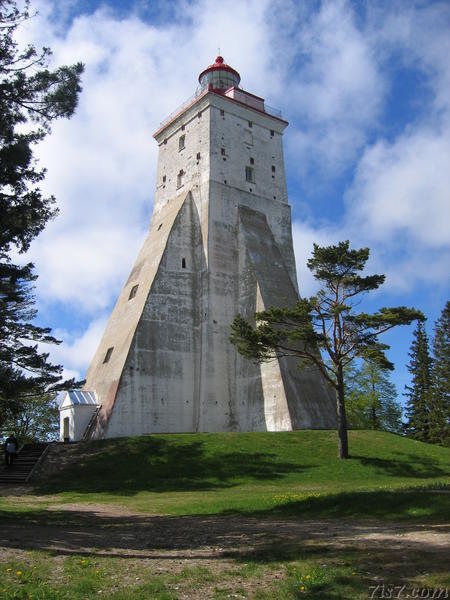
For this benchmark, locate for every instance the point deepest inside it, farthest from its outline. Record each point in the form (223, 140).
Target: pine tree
(372, 399)
(31, 98)
(326, 323)
(440, 396)
(419, 392)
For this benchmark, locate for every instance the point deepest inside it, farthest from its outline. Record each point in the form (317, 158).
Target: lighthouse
(219, 244)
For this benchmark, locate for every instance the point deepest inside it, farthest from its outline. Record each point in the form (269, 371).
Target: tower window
(272, 133)
(252, 161)
(222, 113)
(250, 123)
(248, 137)
(198, 155)
(108, 355)
(273, 168)
(181, 142)
(133, 292)
(180, 178)
(222, 151)
(182, 128)
(164, 179)
(183, 263)
(199, 115)
(249, 174)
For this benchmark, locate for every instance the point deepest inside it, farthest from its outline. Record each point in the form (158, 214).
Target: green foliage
(440, 380)
(372, 399)
(325, 330)
(419, 392)
(31, 98)
(38, 419)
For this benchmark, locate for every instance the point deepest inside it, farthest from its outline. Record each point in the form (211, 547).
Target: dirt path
(166, 544)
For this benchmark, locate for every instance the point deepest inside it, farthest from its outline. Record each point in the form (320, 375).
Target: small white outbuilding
(76, 409)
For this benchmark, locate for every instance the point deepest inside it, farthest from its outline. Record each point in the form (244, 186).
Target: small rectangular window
(198, 155)
(133, 292)
(164, 179)
(272, 133)
(181, 142)
(222, 151)
(180, 178)
(199, 115)
(248, 137)
(108, 355)
(249, 174)
(182, 128)
(250, 123)
(252, 161)
(222, 113)
(183, 263)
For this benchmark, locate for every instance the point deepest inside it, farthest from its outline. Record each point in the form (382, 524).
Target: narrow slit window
(182, 128)
(199, 116)
(222, 151)
(133, 292)
(250, 123)
(183, 263)
(180, 178)
(252, 161)
(108, 355)
(222, 113)
(249, 174)
(273, 168)
(181, 142)
(198, 155)
(159, 226)
(164, 179)
(272, 133)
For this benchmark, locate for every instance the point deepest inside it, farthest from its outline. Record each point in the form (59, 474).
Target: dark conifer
(440, 397)
(419, 392)
(33, 96)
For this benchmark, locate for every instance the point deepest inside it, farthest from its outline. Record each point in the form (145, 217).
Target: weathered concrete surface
(218, 245)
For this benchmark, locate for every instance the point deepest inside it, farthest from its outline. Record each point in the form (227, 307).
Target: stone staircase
(26, 460)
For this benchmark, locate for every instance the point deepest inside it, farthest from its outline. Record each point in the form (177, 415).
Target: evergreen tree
(31, 98)
(372, 399)
(419, 392)
(440, 396)
(326, 323)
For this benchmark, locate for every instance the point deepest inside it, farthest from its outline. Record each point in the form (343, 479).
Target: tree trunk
(342, 419)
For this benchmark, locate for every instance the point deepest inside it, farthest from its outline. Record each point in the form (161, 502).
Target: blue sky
(365, 87)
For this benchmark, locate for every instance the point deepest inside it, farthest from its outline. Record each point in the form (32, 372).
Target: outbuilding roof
(79, 397)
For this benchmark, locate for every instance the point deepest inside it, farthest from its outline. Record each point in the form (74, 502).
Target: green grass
(296, 473)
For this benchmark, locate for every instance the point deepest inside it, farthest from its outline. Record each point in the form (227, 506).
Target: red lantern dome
(219, 76)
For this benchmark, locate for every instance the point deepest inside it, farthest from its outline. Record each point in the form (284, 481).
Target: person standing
(11, 447)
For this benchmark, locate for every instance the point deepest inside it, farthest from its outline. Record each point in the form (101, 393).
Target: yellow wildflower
(19, 573)
(302, 589)
(308, 577)
(8, 569)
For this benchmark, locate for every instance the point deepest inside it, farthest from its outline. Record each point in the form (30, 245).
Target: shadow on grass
(159, 465)
(400, 505)
(407, 465)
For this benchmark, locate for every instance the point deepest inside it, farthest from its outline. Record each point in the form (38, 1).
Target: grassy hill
(294, 473)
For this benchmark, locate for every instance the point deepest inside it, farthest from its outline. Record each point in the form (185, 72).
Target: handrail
(90, 425)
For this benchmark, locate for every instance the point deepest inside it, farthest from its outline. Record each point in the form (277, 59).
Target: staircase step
(23, 463)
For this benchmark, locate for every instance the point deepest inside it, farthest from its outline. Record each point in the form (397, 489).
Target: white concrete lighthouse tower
(219, 244)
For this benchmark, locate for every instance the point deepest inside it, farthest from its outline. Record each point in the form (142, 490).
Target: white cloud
(329, 70)
(77, 350)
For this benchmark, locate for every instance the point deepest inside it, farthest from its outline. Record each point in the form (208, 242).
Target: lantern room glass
(220, 79)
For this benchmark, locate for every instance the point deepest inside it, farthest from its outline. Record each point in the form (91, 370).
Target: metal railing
(274, 112)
